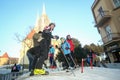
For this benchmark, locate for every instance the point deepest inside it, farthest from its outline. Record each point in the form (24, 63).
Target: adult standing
(69, 40)
(37, 37)
(41, 51)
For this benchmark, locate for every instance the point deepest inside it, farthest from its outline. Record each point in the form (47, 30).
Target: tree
(26, 43)
(95, 48)
(76, 42)
(79, 51)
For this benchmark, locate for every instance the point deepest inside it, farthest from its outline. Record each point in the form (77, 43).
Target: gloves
(67, 48)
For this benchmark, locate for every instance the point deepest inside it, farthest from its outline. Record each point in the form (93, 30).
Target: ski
(69, 65)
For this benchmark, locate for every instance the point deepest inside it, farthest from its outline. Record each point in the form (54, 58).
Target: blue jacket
(52, 50)
(65, 47)
(88, 60)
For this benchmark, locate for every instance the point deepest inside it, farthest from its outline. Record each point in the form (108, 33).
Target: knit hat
(62, 38)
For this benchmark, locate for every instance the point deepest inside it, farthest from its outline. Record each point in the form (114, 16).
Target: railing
(6, 66)
(110, 37)
(11, 76)
(102, 17)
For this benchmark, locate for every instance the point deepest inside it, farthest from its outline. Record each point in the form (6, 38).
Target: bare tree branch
(18, 37)
(29, 45)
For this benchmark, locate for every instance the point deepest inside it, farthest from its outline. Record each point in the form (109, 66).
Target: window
(108, 32)
(116, 3)
(101, 12)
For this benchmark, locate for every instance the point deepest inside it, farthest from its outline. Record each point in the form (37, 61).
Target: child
(51, 57)
(65, 46)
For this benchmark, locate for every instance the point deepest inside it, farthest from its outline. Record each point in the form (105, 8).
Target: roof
(5, 55)
(30, 35)
(13, 58)
(95, 3)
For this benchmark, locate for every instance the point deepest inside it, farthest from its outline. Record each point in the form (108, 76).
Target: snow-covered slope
(114, 65)
(97, 73)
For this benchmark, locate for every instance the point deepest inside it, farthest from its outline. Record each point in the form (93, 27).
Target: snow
(97, 73)
(114, 65)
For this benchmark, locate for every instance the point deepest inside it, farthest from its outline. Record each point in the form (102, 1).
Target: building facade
(107, 21)
(5, 59)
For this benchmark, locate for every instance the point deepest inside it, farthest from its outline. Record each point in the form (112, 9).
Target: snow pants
(70, 61)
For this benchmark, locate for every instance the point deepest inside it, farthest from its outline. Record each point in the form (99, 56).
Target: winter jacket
(51, 51)
(71, 44)
(88, 60)
(36, 37)
(43, 45)
(65, 48)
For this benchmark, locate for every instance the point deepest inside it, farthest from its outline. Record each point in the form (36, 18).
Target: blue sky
(72, 17)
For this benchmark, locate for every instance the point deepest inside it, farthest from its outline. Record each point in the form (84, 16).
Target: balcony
(102, 18)
(111, 38)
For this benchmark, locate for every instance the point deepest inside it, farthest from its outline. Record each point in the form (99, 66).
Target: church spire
(38, 15)
(36, 28)
(43, 9)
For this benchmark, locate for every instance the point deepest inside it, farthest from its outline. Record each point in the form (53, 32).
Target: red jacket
(71, 44)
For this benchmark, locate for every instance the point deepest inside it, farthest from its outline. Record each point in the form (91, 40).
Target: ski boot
(51, 67)
(40, 72)
(32, 73)
(54, 67)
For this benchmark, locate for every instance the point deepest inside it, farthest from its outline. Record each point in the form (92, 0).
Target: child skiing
(51, 57)
(65, 46)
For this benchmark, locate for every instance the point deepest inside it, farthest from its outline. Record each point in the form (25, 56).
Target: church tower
(27, 43)
(42, 20)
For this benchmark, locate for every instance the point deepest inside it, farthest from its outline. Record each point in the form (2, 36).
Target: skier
(69, 40)
(51, 57)
(37, 37)
(65, 46)
(41, 51)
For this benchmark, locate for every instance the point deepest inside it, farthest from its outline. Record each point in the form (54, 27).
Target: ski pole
(73, 60)
(52, 64)
(68, 64)
(67, 61)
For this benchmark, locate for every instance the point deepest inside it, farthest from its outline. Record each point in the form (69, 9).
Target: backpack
(14, 68)
(36, 36)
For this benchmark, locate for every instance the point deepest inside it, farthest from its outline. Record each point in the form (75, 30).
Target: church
(27, 43)
(41, 22)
